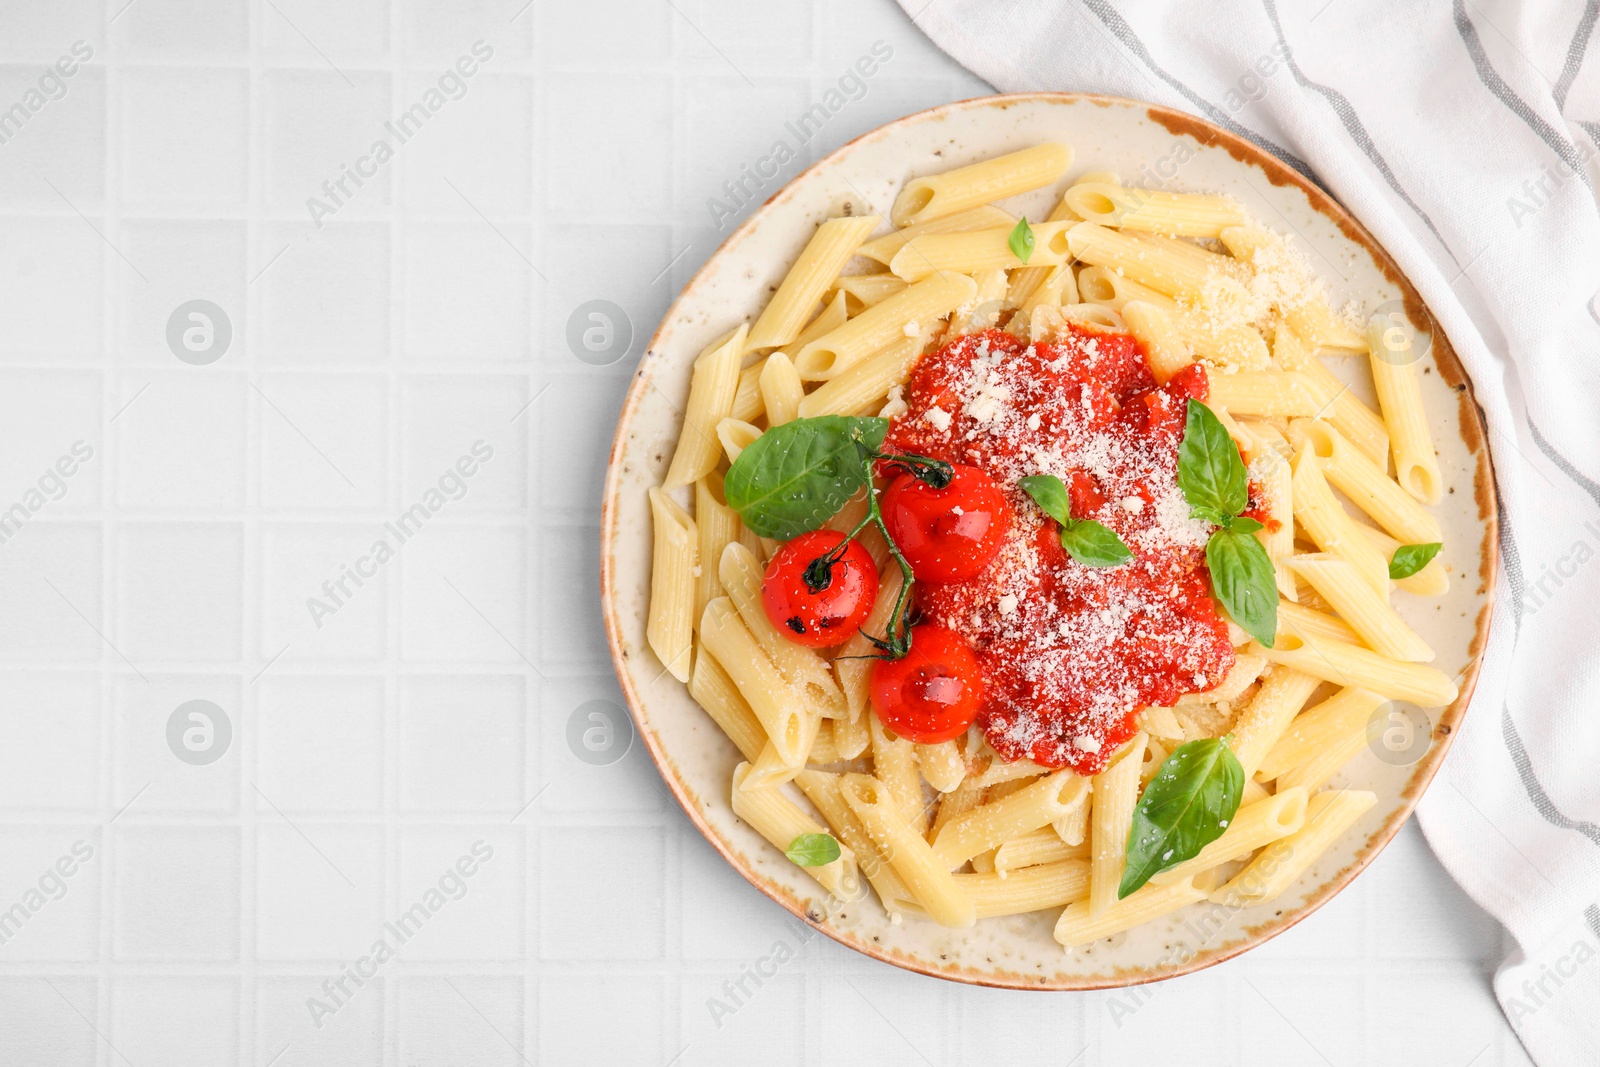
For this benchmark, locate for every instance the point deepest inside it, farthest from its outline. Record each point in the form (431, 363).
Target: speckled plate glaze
(1145, 145)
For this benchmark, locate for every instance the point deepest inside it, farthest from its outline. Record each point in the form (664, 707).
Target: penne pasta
(942, 765)
(1079, 924)
(807, 675)
(928, 881)
(1354, 474)
(882, 324)
(1330, 526)
(670, 628)
(894, 762)
(1264, 394)
(1170, 267)
(758, 681)
(825, 255)
(978, 250)
(1116, 791)
(822, 789)
(1037, 848)
(1164, 347)
(736, 436)
(1253, 826)
(778, 819)
(1352, 596)
(1155, 210)
(781, 390)
(1328, 816)
(1342, 664)
(993, 824)
(866, 382)
(714, 691)
(954, 191)
(1033, 889)
(1394, 372)
(1282, 694)
(712, 388)
(1431, 580)
(1318, 729)
(987, 217)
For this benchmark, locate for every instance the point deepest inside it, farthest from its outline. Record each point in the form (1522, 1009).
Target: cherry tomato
(949, 534)
(819, 618)
(933, 693)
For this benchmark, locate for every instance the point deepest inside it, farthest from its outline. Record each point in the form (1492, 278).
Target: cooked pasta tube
(771, 768)
(978, 250)
(926, 878)
(1319, 728)
(1359, 423)
(865, 382)
(987, 217)
(781, 390)
(942, 765)
(987, 303)
(1281, 863)
(870, 289)
(822, 789)
(1116, 791)
(1311, 625)
(1327, 523)
(1394, 372)
(1245, 670)
(1352, 596)
(824, 256)
(1267, 393)
(1353, 473)
(882, 324)
(1155, 210)
(1164, 347)
(1032, 889)
(1167, 266)
(713, 384)
(714, 691)
(1073, 827)
(995, 823)
(670, 629)
(736, 436)
(769, 696)
(894, 763)
(778, 819)
(1261, 722)
(1036, 848)
(747, 398)
(1314, 320)
(954, 191)
(1057, 290)
(1313, 773)
(1252, 826)
(1160, 722)
(807, 673)
(1026, 281)
(1079, 924)
(1342, 664)
(1431, 580)
(956, 803)
(716, 526)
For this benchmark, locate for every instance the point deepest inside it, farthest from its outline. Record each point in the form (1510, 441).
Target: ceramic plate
(1145, 145)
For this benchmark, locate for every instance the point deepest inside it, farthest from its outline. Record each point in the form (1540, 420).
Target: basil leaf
(1093, 545)
(1210, 515)
(1210, 470)
(1409, 559)
(797, 476)
(1186, 806)
(1243, 580)
(1244, 524)
(1021, 240)
(813, 850)
(1050, 494)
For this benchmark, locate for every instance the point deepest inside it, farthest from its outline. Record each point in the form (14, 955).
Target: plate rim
(1486, 494)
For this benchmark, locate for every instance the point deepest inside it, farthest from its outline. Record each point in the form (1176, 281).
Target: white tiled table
(430, 710)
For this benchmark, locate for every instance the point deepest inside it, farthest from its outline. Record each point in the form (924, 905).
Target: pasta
(925, 199)
(942, 826)
(829, 249)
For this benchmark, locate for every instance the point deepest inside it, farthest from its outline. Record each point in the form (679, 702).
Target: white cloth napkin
(1466, 140)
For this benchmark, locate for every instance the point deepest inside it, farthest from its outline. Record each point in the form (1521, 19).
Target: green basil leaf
(1409, 559)
(1210, 515)
(1210, 470)
(813, 850)
(1093, 545)
(1244, 581)
(1050, 494)
(1021, 240)
(797, 476)
(1186, 806)
(1244, 524)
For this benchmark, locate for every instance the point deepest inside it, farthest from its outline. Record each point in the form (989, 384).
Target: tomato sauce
(1070, 653)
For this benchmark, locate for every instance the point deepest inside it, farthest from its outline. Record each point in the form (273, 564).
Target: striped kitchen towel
(1466, 138)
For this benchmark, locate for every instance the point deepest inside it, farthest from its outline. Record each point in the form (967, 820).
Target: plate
(1144, 145)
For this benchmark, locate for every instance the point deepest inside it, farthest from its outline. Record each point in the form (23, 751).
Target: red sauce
(1071, 653)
